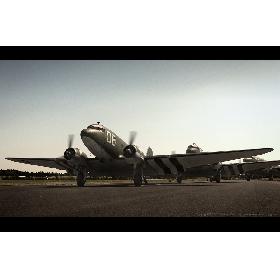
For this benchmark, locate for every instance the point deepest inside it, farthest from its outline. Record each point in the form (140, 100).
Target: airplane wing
(97, 167)
(172, 164)
(58, 163)
(162, 164)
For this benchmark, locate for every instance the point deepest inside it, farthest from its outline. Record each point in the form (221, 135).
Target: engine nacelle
(130, 151)
(71, 153)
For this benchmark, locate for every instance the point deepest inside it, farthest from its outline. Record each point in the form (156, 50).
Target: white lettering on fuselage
(111, 138)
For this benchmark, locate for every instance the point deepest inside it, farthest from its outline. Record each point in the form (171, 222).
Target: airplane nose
(85, 133)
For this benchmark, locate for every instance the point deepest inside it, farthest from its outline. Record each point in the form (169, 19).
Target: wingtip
(266, 149)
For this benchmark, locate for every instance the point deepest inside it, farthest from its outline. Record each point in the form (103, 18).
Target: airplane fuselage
(102, 142)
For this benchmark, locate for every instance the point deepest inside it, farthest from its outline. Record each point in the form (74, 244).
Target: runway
(189, 199)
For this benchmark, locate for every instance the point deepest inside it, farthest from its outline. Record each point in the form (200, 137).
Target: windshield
(96, 127)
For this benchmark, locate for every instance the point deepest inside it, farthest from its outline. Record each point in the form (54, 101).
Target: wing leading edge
(57, 163)
(169, 164)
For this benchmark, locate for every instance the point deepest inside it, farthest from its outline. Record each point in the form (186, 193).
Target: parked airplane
(114, 157)
(217, 171)
(252, 167)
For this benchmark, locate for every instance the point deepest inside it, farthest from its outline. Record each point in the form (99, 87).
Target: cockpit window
(96, 127)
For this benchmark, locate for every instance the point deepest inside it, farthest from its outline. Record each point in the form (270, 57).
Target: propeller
(130, 150)
(70, 140)
(132, 137)
(70, 152)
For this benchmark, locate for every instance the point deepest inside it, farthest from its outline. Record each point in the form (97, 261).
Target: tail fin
(150, 152)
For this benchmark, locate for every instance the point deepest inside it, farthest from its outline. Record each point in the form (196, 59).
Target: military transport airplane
(217, 171)
(114, 157)
(252, 167)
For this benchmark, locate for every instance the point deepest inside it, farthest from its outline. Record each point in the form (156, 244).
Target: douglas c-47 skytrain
(114, 157)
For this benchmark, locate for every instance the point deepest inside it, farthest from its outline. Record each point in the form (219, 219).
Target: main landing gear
(216, 178)
(138, 175)
(179, 179)
(248, 177)
(81, 178)
(138, 181)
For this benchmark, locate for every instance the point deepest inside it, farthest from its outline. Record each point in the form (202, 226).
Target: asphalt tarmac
(189, 199)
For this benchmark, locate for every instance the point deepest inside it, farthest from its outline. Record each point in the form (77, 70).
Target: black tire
(81, 180)
(218, 177)
(138, 177)
(137, 181)
(179, 180)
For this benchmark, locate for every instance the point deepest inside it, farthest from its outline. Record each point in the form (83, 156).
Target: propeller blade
(70, 140)
(132, 137)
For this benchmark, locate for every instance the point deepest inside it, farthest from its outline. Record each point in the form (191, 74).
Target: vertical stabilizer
(150, 152)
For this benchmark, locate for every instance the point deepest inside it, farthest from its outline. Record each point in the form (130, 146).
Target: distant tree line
(16, 174)
(12, 174)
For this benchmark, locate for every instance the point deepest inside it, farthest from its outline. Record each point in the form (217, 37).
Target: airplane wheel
(138, 176)
(179, 179)
(218, 177)
(137, 181)
(81, 179)
(270, 178)
(248, 179)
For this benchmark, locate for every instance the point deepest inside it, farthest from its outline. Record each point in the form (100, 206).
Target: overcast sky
(220, 105)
